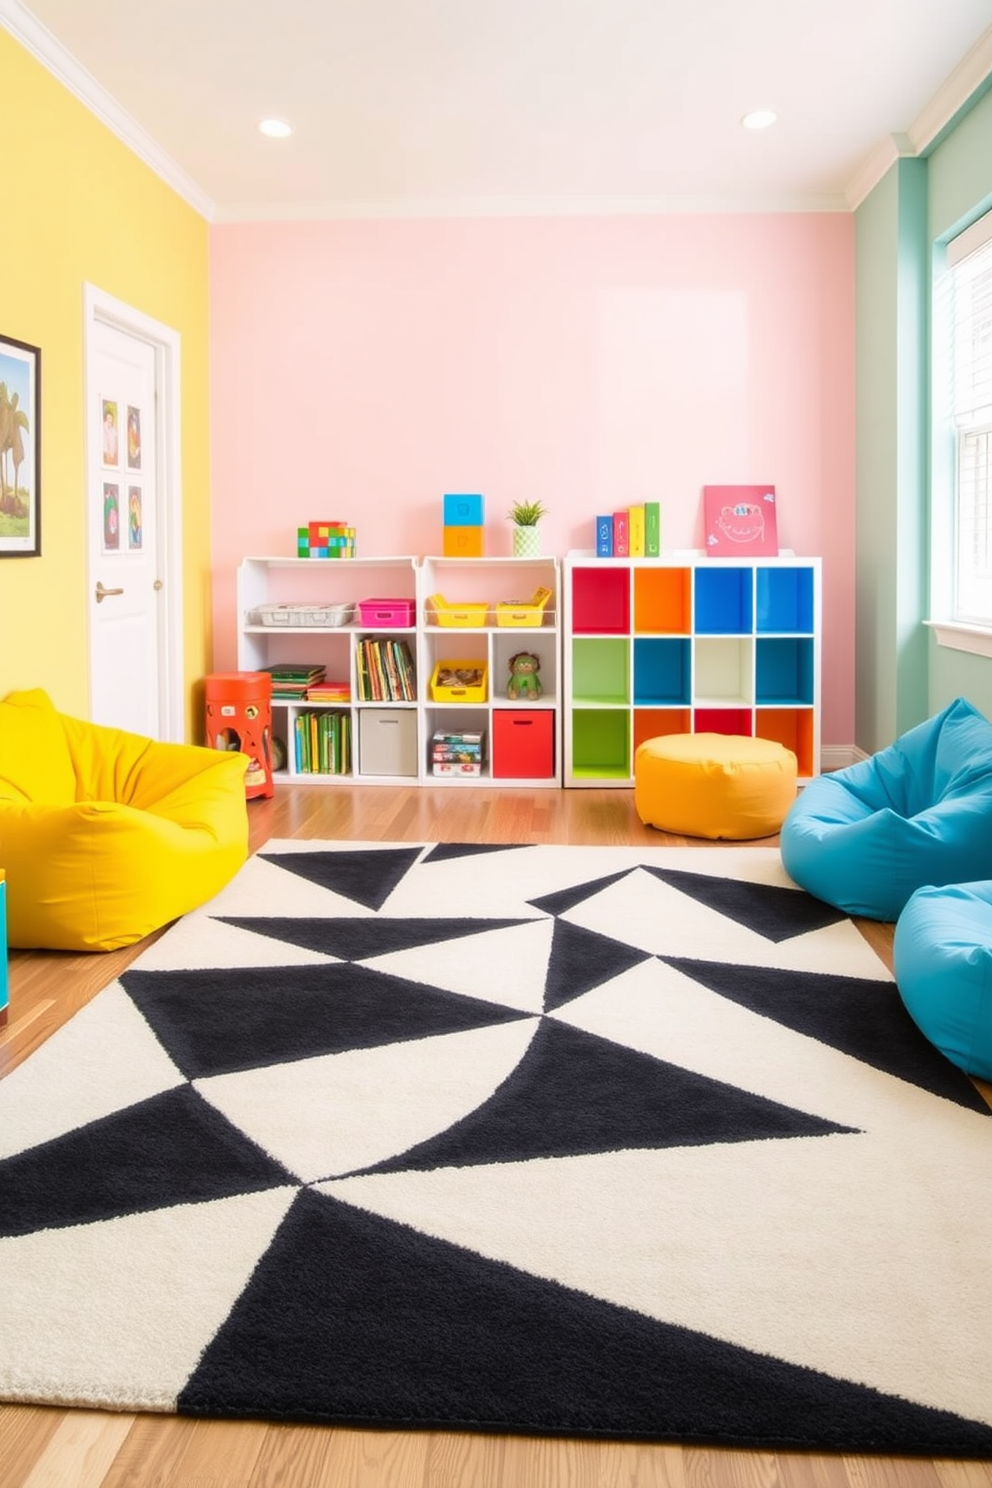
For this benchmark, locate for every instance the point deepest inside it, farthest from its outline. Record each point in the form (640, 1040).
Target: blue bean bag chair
(920, 812)
(942, 958)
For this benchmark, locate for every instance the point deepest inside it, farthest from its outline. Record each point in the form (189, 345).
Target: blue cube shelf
(661, 671)
(784, 601)
(783, 671)
(723, 601)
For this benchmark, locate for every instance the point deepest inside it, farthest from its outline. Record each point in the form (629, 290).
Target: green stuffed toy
(524, 681)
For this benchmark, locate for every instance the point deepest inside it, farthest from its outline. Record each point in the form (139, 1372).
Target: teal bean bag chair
(942, 958)
(920, 812)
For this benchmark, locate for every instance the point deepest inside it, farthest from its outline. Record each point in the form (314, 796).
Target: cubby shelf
(629, 649)
(687, 644)
(391, 741)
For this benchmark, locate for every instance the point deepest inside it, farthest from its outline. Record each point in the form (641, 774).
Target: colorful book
(740, 521)
(652, 529)
(621, 534)
(635, 519)
(604, 537)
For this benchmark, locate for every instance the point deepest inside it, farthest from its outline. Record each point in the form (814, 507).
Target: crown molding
(42, 45)
(974, 69)
(972, 73)
(471, 207)
(885, 154)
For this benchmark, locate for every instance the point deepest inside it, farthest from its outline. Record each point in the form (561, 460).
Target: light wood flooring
(47, 1448)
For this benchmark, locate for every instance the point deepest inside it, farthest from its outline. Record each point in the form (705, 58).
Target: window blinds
(969, 260)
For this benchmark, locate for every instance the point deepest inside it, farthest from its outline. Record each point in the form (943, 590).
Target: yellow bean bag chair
(106, 835)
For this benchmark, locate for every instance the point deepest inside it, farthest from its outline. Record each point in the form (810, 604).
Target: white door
(130, 509)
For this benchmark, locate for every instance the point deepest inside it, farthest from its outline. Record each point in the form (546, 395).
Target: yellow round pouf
(714, 785)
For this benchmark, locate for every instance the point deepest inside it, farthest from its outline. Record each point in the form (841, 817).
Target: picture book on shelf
(740, 521)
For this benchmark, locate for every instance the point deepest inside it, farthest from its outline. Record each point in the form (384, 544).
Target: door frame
(102, 308)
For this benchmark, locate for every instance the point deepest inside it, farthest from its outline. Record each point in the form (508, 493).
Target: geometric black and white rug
(588, 1141)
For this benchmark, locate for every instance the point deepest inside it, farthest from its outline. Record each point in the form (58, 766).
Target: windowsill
(959, 637)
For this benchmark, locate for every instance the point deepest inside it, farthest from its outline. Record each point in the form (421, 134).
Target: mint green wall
(960, 175)
(902, 675)
(891, 311)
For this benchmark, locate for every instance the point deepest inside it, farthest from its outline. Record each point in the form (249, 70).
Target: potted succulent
(525, 516)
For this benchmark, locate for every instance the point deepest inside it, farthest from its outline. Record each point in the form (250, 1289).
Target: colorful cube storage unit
(4, 986)
(464, 526)
(688, 645)
(325, 540)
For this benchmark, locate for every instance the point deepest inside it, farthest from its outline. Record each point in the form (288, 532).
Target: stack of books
(322, 742)
(386, 673)
(457, 753)
(327, 691)
(292, 680)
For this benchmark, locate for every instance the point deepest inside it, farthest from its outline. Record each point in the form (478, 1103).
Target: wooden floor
(46, 1448)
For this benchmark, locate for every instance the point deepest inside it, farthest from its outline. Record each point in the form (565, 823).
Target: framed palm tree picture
(20, 449)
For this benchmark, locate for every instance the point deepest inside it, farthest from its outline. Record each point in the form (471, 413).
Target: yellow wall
(77, 206)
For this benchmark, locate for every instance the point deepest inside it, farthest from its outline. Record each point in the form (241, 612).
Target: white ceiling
(429, 107)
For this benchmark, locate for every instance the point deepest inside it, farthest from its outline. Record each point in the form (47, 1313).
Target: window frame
(953, 425)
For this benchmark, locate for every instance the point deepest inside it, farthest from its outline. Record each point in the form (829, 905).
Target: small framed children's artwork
(134, 518)
(740, 521)
(20, 449)
(111, 517)
(111, 431)
(133, 437)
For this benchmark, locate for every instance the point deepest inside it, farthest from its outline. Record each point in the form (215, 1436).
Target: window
(968, 321)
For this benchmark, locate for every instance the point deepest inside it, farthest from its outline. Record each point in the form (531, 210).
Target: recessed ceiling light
(759, 119)
(276, 128)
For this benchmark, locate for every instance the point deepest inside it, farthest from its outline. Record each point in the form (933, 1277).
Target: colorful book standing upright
(652, 529)
(635, 521)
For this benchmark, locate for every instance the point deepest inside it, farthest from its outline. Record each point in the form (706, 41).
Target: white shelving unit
(685, 643)
(386, 737)
(391, 742)
(523, 737)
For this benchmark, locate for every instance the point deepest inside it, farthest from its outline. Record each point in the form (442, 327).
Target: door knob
(101, 593)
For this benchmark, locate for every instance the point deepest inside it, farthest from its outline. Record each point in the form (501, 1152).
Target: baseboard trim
(839, 756)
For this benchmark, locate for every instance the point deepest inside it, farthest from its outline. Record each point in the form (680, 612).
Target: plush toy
(524, 681)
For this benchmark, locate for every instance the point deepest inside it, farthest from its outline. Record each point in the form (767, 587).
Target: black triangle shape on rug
(865, 1019)
(368, 876)
(356, 939)
(582, 959)
(217, 1021)
(171, 1149)
(443, 852)
(561, 900)
(575, 1093)
(768, 909)
(351, 1319)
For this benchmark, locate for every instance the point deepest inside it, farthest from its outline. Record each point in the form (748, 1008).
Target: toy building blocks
(464, 526)
(325, 540)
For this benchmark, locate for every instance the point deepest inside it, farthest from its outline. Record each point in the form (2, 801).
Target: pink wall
(362, 369)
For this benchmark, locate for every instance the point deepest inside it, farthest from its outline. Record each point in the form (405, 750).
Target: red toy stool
(239, 716)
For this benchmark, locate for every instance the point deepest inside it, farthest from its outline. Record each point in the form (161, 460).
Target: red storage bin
(239, 716)
(523, 744)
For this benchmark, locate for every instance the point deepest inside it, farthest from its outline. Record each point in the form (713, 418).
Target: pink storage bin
(387, 612)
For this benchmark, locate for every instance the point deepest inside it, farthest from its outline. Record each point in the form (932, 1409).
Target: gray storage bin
(387, 742)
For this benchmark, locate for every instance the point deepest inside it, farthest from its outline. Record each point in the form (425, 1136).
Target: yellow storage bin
(460, 682)
(465, 615)
(524, 611)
